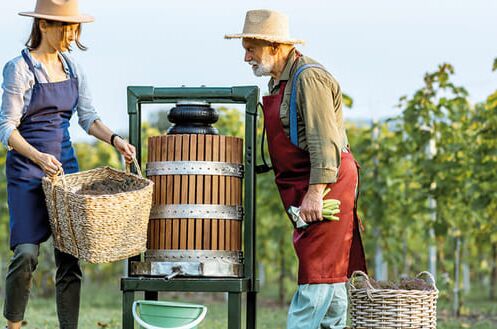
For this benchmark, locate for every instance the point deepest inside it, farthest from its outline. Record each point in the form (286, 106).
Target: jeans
(318, 306)
(19, 281)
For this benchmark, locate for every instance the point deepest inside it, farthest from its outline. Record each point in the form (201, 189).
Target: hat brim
(67, 19)
(264, 37)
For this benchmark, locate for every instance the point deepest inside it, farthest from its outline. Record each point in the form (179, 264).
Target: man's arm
(317, 107)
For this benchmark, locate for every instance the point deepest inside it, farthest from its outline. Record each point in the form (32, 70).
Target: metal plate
(193, 102)
(160, 168)
(200, 211)
(171, 263)
(212, 268)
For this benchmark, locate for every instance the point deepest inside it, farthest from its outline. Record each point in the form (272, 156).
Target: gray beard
(261, 69)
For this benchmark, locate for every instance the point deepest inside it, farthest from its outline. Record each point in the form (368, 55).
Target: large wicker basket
(99, 228)
(391, 309)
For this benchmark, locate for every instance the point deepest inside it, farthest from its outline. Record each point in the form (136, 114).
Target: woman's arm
(91, 123)
(15, 86)
(16, 82)
(102, 132)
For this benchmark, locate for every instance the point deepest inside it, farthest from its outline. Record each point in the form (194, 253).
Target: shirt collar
(37, 65)
(285, 75)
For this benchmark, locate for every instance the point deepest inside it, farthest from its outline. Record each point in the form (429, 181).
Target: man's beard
(263, 68)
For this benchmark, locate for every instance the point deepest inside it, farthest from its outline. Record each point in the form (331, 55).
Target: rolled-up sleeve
(12, 107)
(317, 108)
(86, 112)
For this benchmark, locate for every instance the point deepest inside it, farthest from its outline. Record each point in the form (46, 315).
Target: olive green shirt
(320, 125)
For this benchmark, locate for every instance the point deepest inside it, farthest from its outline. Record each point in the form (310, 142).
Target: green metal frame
(249, 95)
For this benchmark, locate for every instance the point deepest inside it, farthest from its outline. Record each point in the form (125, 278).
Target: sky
(377, 50)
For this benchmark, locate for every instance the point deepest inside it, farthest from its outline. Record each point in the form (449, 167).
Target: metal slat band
(201, 211)
(161, 168)
(182, 255)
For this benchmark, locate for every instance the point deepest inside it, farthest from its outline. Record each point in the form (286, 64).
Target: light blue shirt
(18, 82)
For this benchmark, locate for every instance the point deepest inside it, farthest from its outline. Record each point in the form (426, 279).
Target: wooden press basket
(98, 228)
(391, 309)
(194, 190)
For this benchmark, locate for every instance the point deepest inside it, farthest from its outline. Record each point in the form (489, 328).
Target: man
(309, 152)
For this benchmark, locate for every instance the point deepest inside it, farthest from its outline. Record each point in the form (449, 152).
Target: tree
(385, 204)
(440, 114)
(484, 186)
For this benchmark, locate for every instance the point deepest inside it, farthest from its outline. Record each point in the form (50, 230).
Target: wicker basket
(388, 308)
(99, 228)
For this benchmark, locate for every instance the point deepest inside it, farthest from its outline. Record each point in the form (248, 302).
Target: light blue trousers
(318, 306)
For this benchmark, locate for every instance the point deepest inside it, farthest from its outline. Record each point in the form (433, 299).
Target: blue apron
(45, 126)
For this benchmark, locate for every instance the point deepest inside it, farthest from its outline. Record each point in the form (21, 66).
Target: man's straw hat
(266, 25)
(58, 10)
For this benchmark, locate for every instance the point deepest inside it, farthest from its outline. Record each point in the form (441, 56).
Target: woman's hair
(34, 40)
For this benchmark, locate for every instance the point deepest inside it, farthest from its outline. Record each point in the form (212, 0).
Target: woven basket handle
(430, 279)
(61, 175)
(55, 215)
(364, 275)
(137, 166)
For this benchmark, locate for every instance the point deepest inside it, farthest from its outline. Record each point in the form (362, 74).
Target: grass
(101, 309)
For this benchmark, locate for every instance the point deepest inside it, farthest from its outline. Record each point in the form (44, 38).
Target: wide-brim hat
(58, 10)
(267, 25)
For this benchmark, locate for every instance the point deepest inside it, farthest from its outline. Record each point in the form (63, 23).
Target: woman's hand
(48, 163)
(126, 149)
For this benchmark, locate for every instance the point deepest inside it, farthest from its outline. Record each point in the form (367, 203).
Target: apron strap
(28, 61)
(67, 65)
(264, 167)
(293, 101)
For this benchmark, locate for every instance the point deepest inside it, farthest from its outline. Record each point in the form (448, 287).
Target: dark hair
(34, 40)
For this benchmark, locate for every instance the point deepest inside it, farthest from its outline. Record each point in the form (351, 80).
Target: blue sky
(378, 50)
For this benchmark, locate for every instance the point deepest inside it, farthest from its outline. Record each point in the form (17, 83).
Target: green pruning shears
(331, 207)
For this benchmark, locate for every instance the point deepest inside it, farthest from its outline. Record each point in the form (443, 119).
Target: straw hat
(58, 10)
(266, 25)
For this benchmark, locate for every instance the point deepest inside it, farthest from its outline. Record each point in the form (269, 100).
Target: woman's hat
(58, 10)
(266, 25)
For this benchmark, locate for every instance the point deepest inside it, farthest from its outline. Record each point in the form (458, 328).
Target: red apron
(328, 251)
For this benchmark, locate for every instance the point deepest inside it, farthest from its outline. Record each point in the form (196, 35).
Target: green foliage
(96, 155)
(397, 177)
(159, 121)
(386, 190)
(347, 100)
(231, 122)
(440, 113)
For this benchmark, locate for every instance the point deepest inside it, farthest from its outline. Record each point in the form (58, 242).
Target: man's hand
(312, 205)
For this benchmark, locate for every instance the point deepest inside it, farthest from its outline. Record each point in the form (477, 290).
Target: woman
(41, 90)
